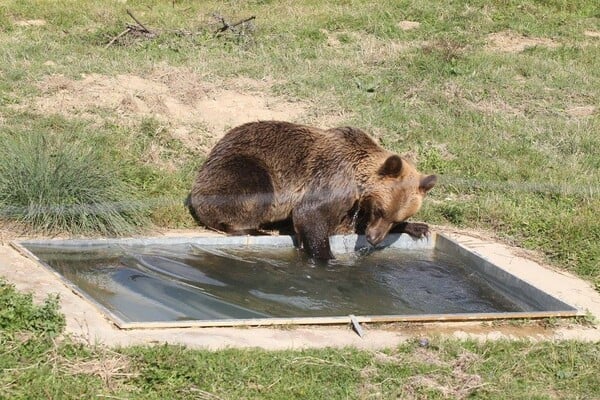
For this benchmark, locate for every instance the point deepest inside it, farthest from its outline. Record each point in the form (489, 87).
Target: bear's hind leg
(239, 198)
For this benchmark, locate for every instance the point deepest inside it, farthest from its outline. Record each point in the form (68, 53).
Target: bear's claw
(414, 229)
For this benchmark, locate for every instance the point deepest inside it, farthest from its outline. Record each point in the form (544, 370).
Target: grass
(39, 364)
(513, 134)
(50, 185)
(18, 314)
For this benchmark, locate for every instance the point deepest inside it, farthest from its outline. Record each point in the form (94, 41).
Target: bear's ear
(427, 183)
(391, 167)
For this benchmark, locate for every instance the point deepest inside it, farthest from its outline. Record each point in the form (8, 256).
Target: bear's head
(393, 196)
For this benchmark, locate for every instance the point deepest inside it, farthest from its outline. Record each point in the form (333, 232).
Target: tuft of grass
(51, 185)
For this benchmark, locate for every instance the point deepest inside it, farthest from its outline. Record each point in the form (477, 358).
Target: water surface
(190, 282)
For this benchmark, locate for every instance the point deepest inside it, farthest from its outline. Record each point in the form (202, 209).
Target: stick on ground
(139, 29)
(227, 26)
(138, 22)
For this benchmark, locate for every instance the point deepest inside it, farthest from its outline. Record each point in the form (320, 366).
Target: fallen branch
(139, 29)
(125, 32)
(138, 22)
(227, 26)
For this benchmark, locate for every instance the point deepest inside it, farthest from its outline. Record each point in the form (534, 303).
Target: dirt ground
(196, 110)
(85, 321)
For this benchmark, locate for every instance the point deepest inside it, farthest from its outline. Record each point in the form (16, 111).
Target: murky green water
(183, 282)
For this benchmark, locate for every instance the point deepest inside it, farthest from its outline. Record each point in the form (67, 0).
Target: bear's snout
(376, 234)
(372, 241)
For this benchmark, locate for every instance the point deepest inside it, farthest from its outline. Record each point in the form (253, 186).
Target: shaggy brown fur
(266, 172)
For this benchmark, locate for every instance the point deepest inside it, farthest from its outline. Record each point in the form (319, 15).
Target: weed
(19, 314)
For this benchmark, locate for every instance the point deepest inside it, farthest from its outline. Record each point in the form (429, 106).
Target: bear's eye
(378, 212)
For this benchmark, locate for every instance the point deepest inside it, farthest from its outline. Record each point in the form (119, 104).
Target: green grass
(18, 314)
(50, 185)
(36, 366)
(38, 362)
(501, 128)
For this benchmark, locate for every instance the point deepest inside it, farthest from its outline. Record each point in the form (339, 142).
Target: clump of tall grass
(51, 185)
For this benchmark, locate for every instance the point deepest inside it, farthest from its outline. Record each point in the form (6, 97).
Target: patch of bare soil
(178, 97)
(487, 106)
(494, 106)
(459, 384)
(182, 100)
(581, 111)
(456, 383)
(30, 22)
(408, 25)
(594, 34)
(375, 50)
(512, 42)
(369, 48)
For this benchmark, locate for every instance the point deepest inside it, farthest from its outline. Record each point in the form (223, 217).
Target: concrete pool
(239, 281)
(85, 322)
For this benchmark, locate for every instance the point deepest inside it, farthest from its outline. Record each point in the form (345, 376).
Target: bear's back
(296, 155)
(287, 151)
(272, 142)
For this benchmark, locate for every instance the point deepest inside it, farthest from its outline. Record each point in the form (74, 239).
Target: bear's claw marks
(414, 229)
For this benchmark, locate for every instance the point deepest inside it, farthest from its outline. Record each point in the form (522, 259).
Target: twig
(243, 21)
(126, 31)
(138, 22)
(227, 26)
(141, 31)
(139, 28)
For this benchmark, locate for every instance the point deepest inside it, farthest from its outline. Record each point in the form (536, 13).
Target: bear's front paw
(416, 229)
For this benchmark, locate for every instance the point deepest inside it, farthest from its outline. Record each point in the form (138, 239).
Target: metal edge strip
(338, 320)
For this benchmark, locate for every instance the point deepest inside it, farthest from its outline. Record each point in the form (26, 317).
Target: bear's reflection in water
(186, 281)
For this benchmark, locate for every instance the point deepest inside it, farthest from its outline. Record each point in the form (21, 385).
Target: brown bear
(323, 181)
